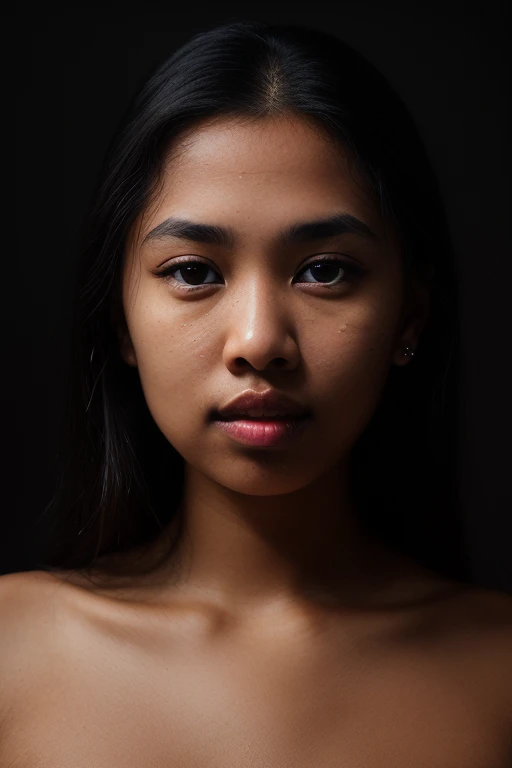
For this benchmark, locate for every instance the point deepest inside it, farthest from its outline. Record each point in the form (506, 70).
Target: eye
(329, 272)
(191, 270)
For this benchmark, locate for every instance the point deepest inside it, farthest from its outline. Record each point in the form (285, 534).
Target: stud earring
(409, 352)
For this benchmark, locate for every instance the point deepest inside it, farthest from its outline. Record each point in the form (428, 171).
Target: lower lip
(264, 434)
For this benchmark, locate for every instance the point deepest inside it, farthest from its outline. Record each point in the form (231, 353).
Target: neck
(304, 548)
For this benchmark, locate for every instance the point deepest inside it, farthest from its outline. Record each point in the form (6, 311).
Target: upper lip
(266, 403)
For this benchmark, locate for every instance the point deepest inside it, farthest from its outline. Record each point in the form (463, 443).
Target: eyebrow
(299, 232)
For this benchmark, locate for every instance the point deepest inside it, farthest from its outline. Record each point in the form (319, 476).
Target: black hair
(116, 467)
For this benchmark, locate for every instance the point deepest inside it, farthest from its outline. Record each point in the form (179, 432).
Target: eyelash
(354, 272)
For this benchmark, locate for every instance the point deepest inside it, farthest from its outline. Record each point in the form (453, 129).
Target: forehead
(257, 176)
(227, 148)
(273, 141)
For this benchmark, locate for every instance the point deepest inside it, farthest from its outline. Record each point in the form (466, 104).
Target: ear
(414, 318)
(126, 349)
(125, 345)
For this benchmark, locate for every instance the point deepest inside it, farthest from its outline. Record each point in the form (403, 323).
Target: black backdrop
(75, 70)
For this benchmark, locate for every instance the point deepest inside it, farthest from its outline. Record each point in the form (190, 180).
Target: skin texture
(267, 529)
(260, 654)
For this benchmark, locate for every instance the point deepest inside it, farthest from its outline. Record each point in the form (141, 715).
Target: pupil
(324, 272)
(190, 272)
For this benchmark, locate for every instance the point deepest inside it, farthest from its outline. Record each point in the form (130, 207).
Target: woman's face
(265, 314)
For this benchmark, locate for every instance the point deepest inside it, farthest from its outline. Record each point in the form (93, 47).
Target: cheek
(359, 342)
(172, 353)
(348, 364)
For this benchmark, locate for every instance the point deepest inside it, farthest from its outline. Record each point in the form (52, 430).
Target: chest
(269, 709)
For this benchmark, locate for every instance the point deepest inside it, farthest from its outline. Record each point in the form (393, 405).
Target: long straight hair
(115, 466)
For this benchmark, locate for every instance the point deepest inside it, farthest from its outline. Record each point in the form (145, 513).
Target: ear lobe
(414, 321)
(125, 346)
(127, 351)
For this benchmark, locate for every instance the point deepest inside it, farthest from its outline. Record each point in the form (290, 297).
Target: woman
(255, 535)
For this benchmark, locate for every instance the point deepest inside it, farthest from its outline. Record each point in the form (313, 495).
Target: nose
(261, 330)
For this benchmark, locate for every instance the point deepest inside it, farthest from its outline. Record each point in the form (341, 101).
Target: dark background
(76, 69)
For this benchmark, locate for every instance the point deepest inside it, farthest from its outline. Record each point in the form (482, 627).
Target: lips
(274, 433)
(259, 417)
(270, 405)
(263, 419)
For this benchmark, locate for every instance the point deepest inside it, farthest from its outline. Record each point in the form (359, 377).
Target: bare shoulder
(21, 593)
(492, 610)
(481, 622)
(486, 613)
(25, 603)
(29, 616)
(31, 604)
(21, 596)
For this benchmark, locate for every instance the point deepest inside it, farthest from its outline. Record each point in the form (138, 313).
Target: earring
(409, 352)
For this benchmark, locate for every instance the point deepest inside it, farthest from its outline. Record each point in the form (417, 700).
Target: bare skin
(262, 319)
(100, 680)
(289, 636)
